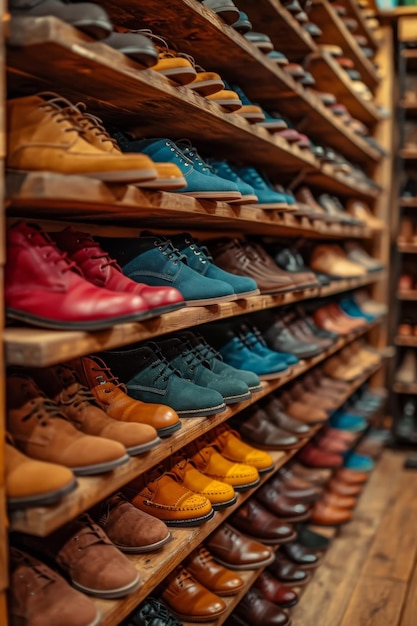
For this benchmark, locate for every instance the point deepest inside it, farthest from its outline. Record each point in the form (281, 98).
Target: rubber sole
(208, 301)
(212, 410)
(143, 549)
(219, 196)
(143, 447)
(235, 399)
(100, 468)
(190, 523)
(223, 505)
(255, 483)
(119, 592)
(167, 431)
(246, 566)
(42, 499)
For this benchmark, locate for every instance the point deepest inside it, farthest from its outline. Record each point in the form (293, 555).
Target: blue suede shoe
(267, 196)
(278, 57)
(253, 339)
(346, 421)
(223, 169)
(201, 180)
(358, 462)
(199, 259)
(236, 354)
(349, 306)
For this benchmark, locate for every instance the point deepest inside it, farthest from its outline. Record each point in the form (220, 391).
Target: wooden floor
(369, 574)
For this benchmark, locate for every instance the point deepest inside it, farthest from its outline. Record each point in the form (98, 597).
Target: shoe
(276, 414)
(331, 260)
(277, 57)
(151, 613)
(86, 16)
(260, 40)
(358, 462)
(361, 211)
(314, 456)
(43, 433)
(280, 338)
(34, 483)
(134, 45)
(310, 539)
(159, 493)
(35, 121)
(132, 531)
(199, 259)
(212, 575)
(88, 558)
(219, 493)
(231, 446)
(111, 396)
(149, 378)
(356, 254)
(37, 595)
(254, 609)
(338, 501)
(254, 340)
(287, 572)
(55, 295)
(224, 170)
(300, 555)
(257, 522)
(154, 260)
(100, 269)
(226, 9)
(291, 261)
(294, 489)
(268, 198)
(325, 515)
(238, 355)
(236, 551)
(242, 25)
(347, 421)
(274, 591)
(284, 508)
(256, 428)
(189, 600)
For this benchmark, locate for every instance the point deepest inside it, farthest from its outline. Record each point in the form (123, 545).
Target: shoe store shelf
(407, 248)
(408, 203)
(407, 389)
(273, 19)
(38, 194)
(43, 520)
(90, 70)
(410, 108)
(407, 295)
(40, 348)
(153, 570)
(405, 340)
(409, 154)
(353, 10)
(330, 77)
(340, 183)
(336, 33)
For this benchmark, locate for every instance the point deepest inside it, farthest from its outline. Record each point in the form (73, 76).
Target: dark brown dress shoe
(258, 429)
(275, 411)
(253, 609)
(257, 522)
(313, 456)
(287, 572)
(274, 591)
(306, 495)
(300, 555)
(233, 550)
(284, 508)
(212, 575)
(189, 600)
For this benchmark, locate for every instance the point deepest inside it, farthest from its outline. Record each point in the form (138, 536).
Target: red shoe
(42, 287)
(100, 269)
(275, 591)
(313, 456)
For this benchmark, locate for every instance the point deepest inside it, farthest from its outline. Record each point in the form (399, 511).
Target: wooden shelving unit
(407, 295)
(404, 389)
(353, 10)
(407, 248)
(402, 340)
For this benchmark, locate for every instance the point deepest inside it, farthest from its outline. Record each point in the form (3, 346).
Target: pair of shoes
(336, 319)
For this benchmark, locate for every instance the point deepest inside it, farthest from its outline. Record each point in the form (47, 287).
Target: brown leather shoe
(274, 591)
(313, 456)
(338, 501)
(326, 515)
(257, 522)
(256, 427)
(275, 411)
(254, 609)
(279, 505)
(111, 396)
(131, 530)
(287, 572)
(89, 559)
(313, 475)
(344, 489)
(303, 412)
(351, 477)
(305, 495)
(212, 575)
(40, 597)
(233, 550)
(165, 498)
(332, 260)
(189, 600)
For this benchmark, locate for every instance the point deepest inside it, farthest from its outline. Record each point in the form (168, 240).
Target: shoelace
(87, 242)
(94, 124)
(42, 408)
(73, 393)
(227, 171)
(43, 575)
(110, 504)
(89, 534)
(106, 377)
(61, 110)
(166, 371)
(190, 151)
(254, 176)
(50, 251)
(198, 250)
(169, 250)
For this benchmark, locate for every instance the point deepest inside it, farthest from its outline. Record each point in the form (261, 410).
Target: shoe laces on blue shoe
(254, 340)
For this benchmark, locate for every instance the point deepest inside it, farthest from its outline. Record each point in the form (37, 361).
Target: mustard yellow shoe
(206, 83)
(227, 99)
(169, 177)
(219, 493)
(231, 446)
(210, 462)
(179, 70)
(252, 113)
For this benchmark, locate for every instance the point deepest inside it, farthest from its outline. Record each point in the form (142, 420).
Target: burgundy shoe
(316, 457)
(274, 591)
(100, 269)
(42, 287)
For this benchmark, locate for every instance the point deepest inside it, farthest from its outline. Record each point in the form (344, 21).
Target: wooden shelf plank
(408, 202)
(410, 294)
(353, 10)
(287, 35)
(340, 183)
(405, 389)
(408, 153)
(40, 348)
(404, 340)
(335, 32)
(37, 195)
(184, 541)
(331, 77)
(407, 248)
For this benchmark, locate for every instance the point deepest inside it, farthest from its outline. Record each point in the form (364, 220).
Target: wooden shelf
(408, 154)
(286, 33)
(401, 340)
(406, 389)
(153, 570)
(353, 10)
(331, 77)
(407, 248)
(409, 106)
(340, 183)
(335, 32)
(412, 203)
(41, 521)
(411, 294)
(37, 195)
(33, 347)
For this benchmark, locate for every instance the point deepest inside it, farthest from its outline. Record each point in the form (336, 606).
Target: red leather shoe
(100, 269)
(42, 287)
(274, 591)
(331, 444)
(313, 456)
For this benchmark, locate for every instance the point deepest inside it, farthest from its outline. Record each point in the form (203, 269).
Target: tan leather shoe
(76, 402)
(344, 489)
(227, 99)
(328, 260)
(234, 550)
(327, 515)
(212, 575)
(251, 112)
(316, 476)
(208, 460)
(111, 395)
(43, 433)
(338, 501)
(165, 498)
(231, 446)
(219, 493)
(351, 477)
(34, 483)
(360, 210)
(189, 600)
(35, 122)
